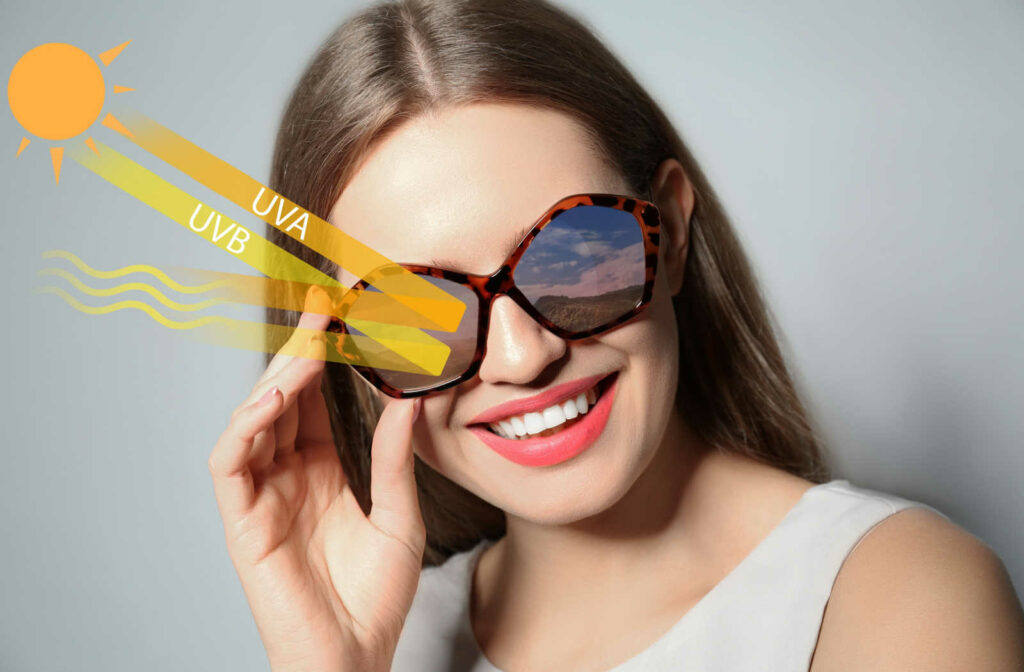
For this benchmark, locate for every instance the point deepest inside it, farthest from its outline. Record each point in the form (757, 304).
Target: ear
(673, 194)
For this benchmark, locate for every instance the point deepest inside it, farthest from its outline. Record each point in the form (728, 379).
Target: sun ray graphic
(56, 92)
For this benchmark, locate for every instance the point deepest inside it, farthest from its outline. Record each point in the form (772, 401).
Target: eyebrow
(510, 245)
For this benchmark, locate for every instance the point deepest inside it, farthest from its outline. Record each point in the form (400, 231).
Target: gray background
(870, 154)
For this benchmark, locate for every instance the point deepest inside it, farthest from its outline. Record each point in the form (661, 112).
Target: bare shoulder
(921, 593)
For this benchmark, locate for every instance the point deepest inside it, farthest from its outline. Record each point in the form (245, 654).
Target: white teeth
(553, 416)
(534, 422)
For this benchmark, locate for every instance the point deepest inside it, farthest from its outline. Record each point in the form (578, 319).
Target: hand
(328, 586)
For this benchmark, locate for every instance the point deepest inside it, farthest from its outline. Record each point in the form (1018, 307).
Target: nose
(518, 348)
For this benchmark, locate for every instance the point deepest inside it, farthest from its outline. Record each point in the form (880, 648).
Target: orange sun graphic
(56, 92)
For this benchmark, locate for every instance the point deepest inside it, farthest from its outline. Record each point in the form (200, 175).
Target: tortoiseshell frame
(488, 287)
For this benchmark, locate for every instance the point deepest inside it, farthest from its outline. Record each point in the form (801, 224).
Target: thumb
(395, 508)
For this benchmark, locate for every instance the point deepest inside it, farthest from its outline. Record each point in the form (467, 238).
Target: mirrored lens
(397, 370)
(585, 268)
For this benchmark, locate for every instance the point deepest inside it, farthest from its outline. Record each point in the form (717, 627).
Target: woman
(638, 529)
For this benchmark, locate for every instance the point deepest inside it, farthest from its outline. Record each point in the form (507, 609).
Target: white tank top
(764, 615)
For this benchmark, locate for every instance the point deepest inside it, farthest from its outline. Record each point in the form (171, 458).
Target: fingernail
(417, 404)
(267, 396)
(317, 301)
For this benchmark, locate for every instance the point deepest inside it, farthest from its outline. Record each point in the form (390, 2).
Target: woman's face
(456, 187)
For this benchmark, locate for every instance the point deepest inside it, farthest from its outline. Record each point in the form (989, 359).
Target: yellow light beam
(196, 216)
(247, 335)
(242, 243)
(129, 287)
(370, 306)
(259, 291)
(291, 218)
(134, 268)
(129, 303)
(343, 348)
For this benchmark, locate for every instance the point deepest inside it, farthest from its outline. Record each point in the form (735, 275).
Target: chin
(576, 498)
(586, 486)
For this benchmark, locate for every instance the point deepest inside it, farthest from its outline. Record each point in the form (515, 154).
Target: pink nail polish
(267, 396)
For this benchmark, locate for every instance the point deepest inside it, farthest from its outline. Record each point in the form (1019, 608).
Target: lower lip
(543, 451)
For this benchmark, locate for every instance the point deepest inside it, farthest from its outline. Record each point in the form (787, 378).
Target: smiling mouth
(551, 420)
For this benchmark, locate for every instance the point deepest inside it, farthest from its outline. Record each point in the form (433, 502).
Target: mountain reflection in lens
(585, 268)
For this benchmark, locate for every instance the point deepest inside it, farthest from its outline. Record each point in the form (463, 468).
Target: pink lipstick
(542, 451)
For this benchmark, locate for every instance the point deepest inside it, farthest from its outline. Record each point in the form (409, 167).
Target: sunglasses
(586, 266)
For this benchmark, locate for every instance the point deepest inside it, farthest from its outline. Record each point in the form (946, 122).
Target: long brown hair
(396, 60)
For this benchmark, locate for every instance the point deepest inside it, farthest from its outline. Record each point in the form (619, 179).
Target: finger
(302, 372)
(314, 425)
(310, 324)
(287, 426)
(395, 507)
(303, 416)
(262, 455)
(300, 369)
(286, 485)
(229, 460)
(317, 301)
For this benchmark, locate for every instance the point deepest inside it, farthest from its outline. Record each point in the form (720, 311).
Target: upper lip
(537, 402)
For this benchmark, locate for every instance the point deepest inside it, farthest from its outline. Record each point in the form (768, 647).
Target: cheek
(430, 433)
(651, 344)
(656, 335)
(652, 341)
(665, 378)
